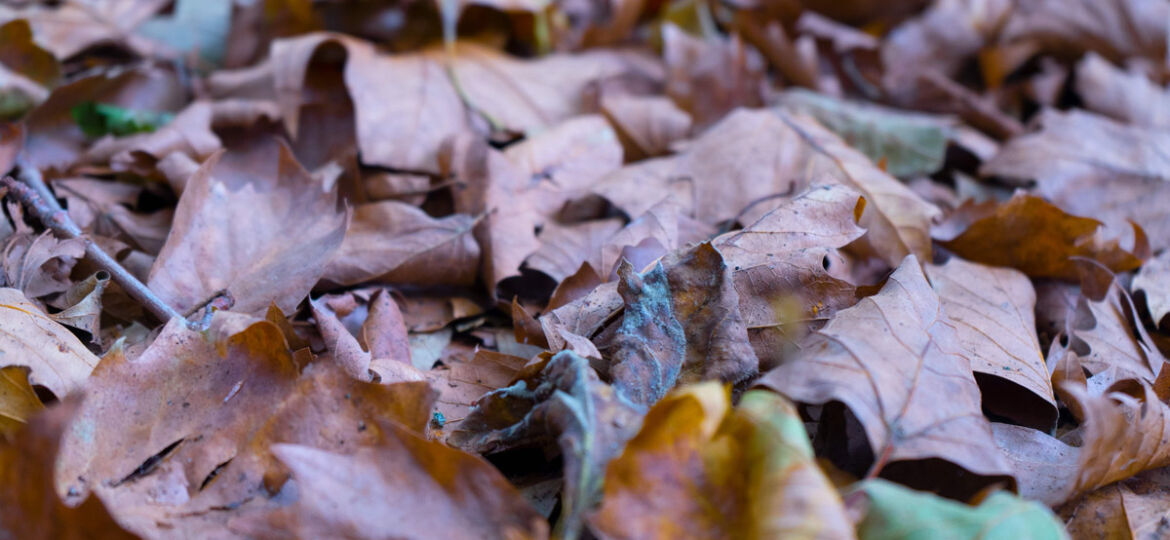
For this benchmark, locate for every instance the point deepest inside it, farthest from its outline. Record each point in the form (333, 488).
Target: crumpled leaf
(894, 361)
(892, 511)
(461, 384)
(992, 310)
(39, 265)
(562, 401)
(395, 242)
(1117, 175)
(1138, 506)
(188, 133)
(56, 359)
(293, 227)
(700, 469)
(1031, 235)
(650, 346)
(910, 144)
(743, 166)
(1123, 432)
(83, 305)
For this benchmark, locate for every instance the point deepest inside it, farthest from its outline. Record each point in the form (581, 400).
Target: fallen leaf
(1137, 506)
(18, 400)
(461, 384)
(894, 360)
(708, 78)
(204, 254)
(739, 170)
(39, 265)
(394, 242)
(1113, 28)
(561, 401)
(1031, 235)
(700, 469)
(56, 359)
(76, 26)
(1126, 96)
(646, 125)
(894, 511)
(83, 305)
(1153, 281)
(992, 310)
(389, 490)
(910, 144)
(31, 506)
(1116, 176)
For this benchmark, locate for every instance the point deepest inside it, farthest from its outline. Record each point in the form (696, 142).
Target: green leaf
(97, 119)
(897, 512)
(912, 144)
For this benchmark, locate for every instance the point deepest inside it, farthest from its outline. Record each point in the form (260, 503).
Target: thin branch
(46, 208)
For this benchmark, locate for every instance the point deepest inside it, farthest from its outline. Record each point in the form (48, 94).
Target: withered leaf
(1116, 176)
(390, 490)
(56, 359)
(1126, 96)
(1153, 280)
(1032, 235)
(564, 402)
(395, 242)
(894, 361)
(700, 469)
(18, 400)
(293, 224)
(992, 313)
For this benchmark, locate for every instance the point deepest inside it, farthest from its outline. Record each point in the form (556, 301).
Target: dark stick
(35, 195)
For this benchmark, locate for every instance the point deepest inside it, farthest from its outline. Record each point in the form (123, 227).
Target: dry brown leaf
(189, 133)
(1031, 235)
(945, 36)
(1153, 281)
(18, 400)
(394, 242)
(460, 384)
(564, 248)
(1126, 96)
(646, 125)
(700, 469)
(39, 265)
(1118, 174)
(29, 504)
(992, 313)
(187, 426)
(403, 487)
(76, 25)
(710, 77)
(82, 305)
(517, 190)
(106, 209)
(1137, 506)
(895, 362)
(293, 228)
(1116, 29)
(744, 166)
(56, 359)
(788, 270)
(1124, 432)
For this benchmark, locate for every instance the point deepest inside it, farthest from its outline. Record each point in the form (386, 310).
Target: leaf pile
(585, 269)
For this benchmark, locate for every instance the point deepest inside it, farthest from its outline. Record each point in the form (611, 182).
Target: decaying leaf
(895, 362)
(563, 402)
(991, 310)
(18, 400)
(698, 468)
(1032, 235)
(205, 253)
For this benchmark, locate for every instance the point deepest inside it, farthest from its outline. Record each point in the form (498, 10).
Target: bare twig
(32, 192)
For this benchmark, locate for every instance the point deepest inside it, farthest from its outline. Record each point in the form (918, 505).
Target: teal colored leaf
(97, 119)
(897, 512)
(913, 144)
